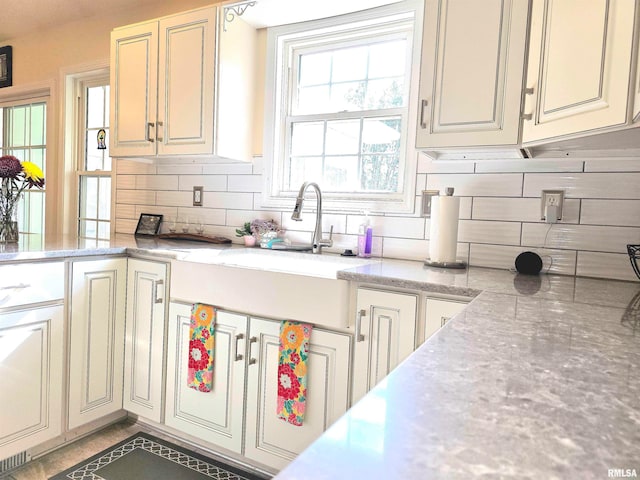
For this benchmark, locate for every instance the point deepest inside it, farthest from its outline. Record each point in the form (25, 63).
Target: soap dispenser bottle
(365, 238)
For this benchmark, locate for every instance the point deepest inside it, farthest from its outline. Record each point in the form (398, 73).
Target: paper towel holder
(454, 265)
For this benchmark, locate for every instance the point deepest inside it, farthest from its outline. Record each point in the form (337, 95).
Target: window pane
(312, 100)
(380, 173)
(386, 93)
(38, 124)
(349, 64)
(387, 59)
(381, 135)
(103, 230)
(95, 107)
(18, 126)
(343, 137)
(93, 155)
(307, 138)
(89, 204)
(88, 228)
(347, 96)
(341, 174)
(315, 69)
(305, 169)
(104, 203)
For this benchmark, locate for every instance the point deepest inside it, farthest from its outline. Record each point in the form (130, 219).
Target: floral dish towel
(292, 371)
(201, 347)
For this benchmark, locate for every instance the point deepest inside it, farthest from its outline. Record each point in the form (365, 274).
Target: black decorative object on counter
(634, 254)
(529, 263)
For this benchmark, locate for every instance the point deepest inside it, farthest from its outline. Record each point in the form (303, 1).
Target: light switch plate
(426, 202)
(197, 196)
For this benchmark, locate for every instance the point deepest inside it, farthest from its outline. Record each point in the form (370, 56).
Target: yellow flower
(301, 369)
(33, 174)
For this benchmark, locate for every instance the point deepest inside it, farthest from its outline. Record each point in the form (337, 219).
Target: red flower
(198, 356)
(295, 358)
(10, 166)
(288, 385)
(203, 388)
(205, 333)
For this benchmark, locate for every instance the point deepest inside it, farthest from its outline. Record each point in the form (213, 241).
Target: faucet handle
(328, 242)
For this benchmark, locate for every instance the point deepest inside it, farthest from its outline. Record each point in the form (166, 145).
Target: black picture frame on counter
(148, 225)
(6, 66)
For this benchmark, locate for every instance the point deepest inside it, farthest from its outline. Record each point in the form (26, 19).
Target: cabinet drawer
(440, 312)
(25, 283)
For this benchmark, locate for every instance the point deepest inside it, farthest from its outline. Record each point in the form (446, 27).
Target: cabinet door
(385, 335)
(214, 416)
(96, 345)
(134, 87)
(273, 441)
(31, 351)
(144, 338)
(579, 66)
(186, 83)
(473, 60)
(439, 312)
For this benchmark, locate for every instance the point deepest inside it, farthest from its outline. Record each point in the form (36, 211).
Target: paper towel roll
(443, 239)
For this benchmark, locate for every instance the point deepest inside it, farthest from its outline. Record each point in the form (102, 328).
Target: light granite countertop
(539, 377)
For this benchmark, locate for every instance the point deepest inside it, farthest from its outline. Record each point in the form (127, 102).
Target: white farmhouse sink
(324, 266)
(281, 285)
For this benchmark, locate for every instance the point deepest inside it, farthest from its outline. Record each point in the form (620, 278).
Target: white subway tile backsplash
(503, 166)
(478, 185)
(499, 209)
(520, 209)
(504, 256)
(245, 183)
(585, 185)
(496, 233)
(156, 182)
(605, 265)
(136, 197)
(611, 212)
(580, 237)
(398, 227)
(610, 165)
(228, 169)
(210, 183)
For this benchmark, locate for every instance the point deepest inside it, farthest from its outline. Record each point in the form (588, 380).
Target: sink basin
(324, 266)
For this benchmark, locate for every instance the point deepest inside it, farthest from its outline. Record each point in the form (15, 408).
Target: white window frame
(278, 86)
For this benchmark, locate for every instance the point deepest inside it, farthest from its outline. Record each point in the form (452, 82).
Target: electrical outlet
(551, 198)
(426, 201)
(197, 196)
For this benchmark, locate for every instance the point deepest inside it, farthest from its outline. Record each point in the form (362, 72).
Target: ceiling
(21, 17)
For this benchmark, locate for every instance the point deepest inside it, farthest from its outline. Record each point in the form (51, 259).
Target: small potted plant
(247, 235)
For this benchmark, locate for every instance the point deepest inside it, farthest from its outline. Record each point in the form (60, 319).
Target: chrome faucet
(317, 241)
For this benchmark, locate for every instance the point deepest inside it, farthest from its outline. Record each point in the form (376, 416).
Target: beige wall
(38, 56)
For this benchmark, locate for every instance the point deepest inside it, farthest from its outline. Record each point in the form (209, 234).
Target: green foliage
(245, 230)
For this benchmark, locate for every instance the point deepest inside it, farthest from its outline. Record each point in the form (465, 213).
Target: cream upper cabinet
(579, 67)
(473, 60)
(172, 79)
(385, 334)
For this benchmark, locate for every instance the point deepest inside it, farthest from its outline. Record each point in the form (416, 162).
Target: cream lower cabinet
(144, 338)
(269, 439)
(385, 334)
(31, 373)
(216, 416)
(438, 312)
(240, 412)
(96, 339)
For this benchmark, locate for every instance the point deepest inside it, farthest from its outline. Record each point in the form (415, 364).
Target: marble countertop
(539, 377)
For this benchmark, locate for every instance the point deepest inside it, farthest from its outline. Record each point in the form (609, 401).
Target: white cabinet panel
(579, 66)
(96, 344)
(269, 439)
(215, 416)
(439, 312)
(472, 70)
(385, 335)
(144, 338)
(31, 372)
(134, 83)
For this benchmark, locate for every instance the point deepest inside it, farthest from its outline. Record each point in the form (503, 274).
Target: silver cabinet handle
(359, 336)
(157, 299)
(528, 91)
(528, 116)
(239, 356)
(423, 107)
(158, 137)
(150, 125)
(252, 360)
(444, 320)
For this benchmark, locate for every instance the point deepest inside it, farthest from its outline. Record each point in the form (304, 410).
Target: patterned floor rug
(145, 457)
